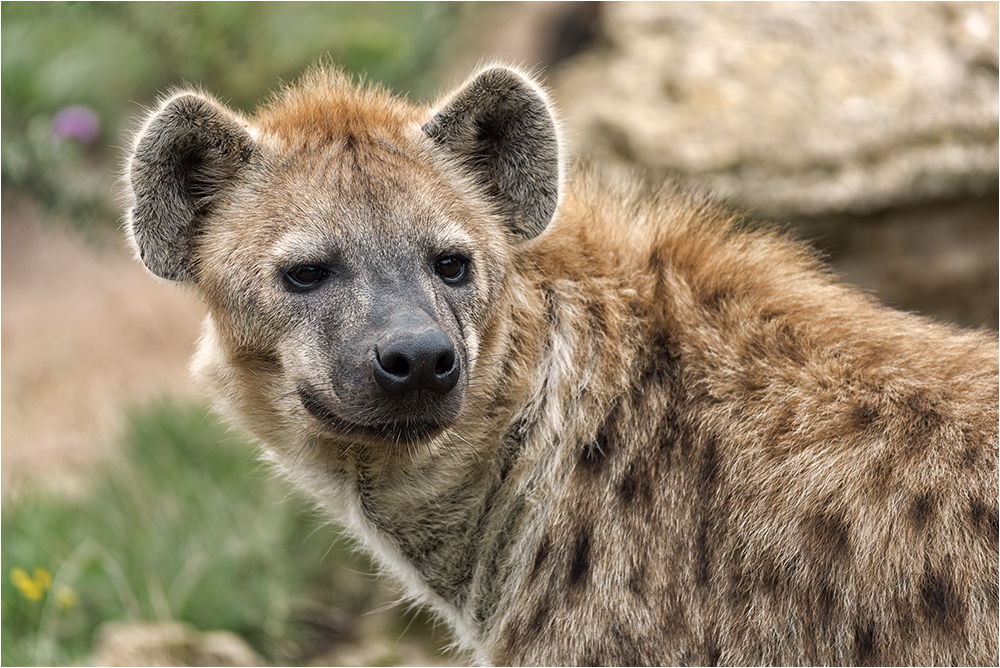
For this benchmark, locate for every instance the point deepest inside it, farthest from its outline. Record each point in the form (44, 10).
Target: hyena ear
(500, 128)
(189, 153)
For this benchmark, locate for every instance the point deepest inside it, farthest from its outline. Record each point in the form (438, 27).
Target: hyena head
(352, 248)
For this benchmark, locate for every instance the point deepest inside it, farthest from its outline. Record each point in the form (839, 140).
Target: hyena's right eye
(306, 276)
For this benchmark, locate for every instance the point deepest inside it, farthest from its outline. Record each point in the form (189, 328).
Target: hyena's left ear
(499, 126)
(187, 156)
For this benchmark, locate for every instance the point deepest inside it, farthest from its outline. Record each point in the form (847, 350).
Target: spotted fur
(673, 439)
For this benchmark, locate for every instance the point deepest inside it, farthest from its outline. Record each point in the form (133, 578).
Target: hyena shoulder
(587, 417)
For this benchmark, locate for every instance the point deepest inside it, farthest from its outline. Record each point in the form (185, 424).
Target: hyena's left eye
(306, 276)
(451, 268)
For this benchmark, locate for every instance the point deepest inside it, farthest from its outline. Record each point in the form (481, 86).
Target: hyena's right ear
(189, 152)
(500, 128)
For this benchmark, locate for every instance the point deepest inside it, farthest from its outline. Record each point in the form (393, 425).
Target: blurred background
(138, 529)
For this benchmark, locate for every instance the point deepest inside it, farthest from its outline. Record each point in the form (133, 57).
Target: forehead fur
(327, 105)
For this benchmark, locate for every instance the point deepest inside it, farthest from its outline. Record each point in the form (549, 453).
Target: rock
(935, 258)
(796, 108)
(169, 644)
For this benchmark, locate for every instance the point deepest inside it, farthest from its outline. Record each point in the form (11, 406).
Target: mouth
(410, 430)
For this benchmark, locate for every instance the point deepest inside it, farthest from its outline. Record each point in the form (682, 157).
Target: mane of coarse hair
(327, 104)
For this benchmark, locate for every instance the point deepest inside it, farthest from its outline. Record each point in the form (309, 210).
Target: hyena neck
(456, 525)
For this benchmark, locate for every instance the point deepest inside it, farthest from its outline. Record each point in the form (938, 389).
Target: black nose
(415, 355)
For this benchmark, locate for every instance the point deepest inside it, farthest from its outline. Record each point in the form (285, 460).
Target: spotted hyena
(587, 418)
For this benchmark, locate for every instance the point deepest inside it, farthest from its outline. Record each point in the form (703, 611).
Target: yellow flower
(66, 598)
(33, 588)
(42, 578)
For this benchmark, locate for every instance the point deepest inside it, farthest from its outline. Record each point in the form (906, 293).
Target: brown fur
(672, 439)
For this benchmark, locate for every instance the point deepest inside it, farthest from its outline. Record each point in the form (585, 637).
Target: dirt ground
(86, 332)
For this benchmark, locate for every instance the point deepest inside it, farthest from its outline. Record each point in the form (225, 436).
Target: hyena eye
(451, 268)
(305, 276)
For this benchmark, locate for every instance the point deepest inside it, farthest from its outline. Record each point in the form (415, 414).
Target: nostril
(445, 363)
(395, 365)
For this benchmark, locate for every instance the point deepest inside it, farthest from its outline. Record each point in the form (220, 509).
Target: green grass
(185, 527)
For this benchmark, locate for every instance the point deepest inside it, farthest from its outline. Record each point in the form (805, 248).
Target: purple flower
(78, 123)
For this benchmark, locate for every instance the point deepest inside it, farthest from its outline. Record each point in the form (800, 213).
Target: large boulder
(796, 108)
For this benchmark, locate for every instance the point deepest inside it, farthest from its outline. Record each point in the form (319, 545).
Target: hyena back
(587, 418)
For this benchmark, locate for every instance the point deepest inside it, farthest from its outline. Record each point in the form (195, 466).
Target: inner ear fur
(187, 155)
(501, 129)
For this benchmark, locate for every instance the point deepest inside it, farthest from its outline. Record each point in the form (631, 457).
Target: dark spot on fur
(512, 640)
(627, 488)
(702, 556)
(941, 603)
(739, 586)
(626, 650)
(662, 348)
(550, 304)
(776, 574)
(880, 475)
(595, 454)
(712, 654)
(770, 316)
(992, 589)
(827, 603)
(864, 416)
(770, 576)
(752, 382)
(534, 626)
(970, 457)
(924, 423)
(921, 510)
(667, 441)
(669, 437)
(524, 630)
(655, 263)
(352, 144)
(717, 297)
(828, 537)
(786, 342)
(635, 487)
(511, 448)
(709, 467)
(540, 556)
(596, 310)
(779, 445)
(673, 615)
(661, 362)
(902, 619)
(498, 568)
(653, 372)
(521, 428)
(580, 564)
(985, 521)
(865, 650)
(709, 514)
(637, 580)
